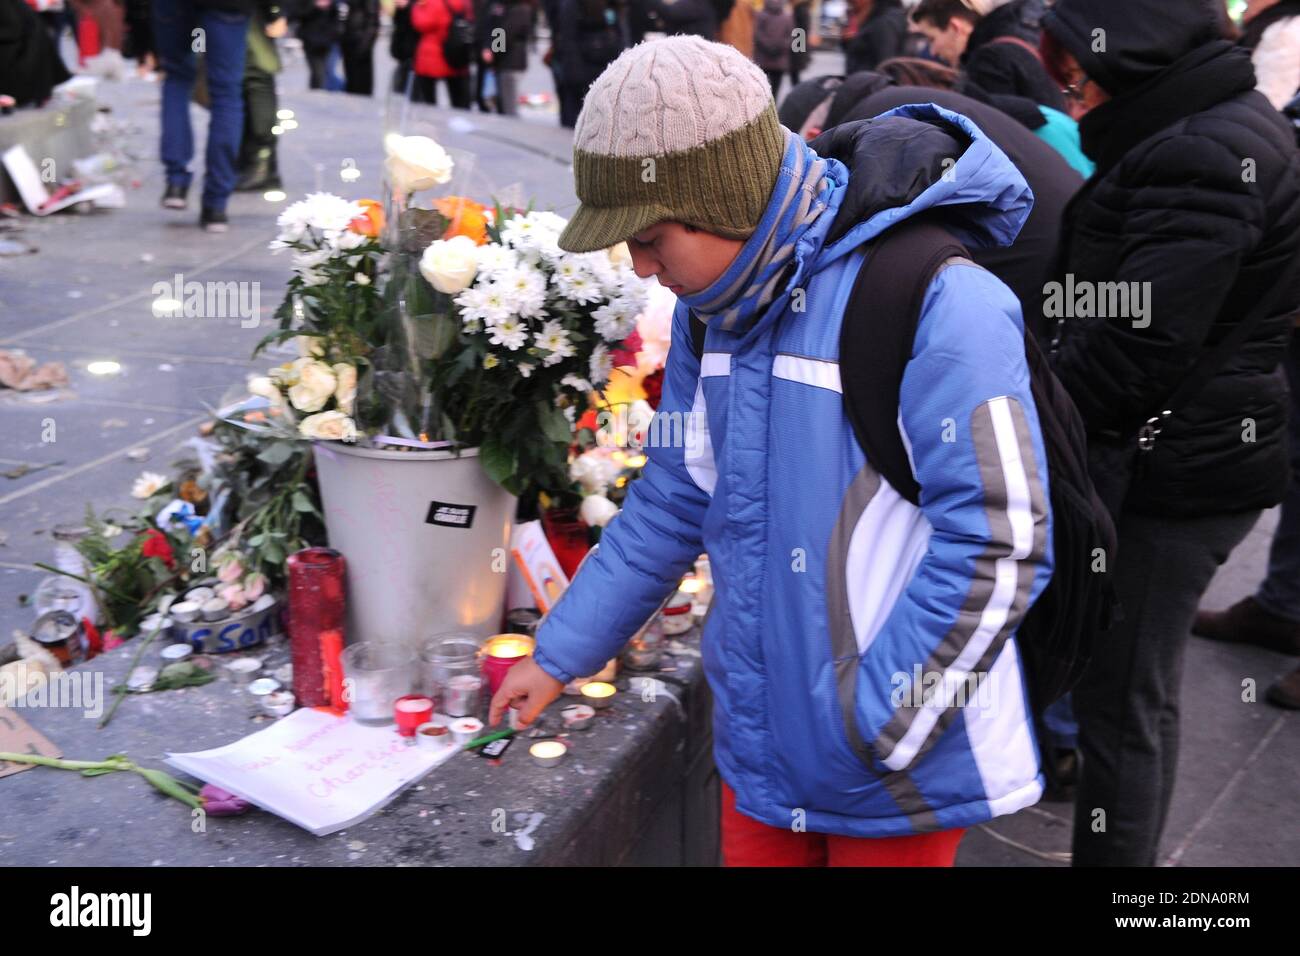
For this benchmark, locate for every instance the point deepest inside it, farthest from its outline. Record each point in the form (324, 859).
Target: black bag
(1057, 636)
(458, 47)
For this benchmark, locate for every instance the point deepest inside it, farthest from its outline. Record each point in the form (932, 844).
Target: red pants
(746, 842)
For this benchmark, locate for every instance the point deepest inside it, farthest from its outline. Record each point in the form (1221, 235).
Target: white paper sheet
(314, 769)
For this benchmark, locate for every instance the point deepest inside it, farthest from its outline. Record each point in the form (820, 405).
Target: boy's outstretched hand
(528, 685)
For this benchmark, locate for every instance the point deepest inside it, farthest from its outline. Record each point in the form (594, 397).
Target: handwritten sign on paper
(315, 769)
(17, 736)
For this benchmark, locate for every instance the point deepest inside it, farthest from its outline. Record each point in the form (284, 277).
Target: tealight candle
(597, 693)
(243, 669)
(466, 729)
(410, 712)
(548, 753)
(501, 653)
(578, 717)
(435, 734)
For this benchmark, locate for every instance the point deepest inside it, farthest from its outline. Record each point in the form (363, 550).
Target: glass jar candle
(444, 656)
(501, 653)
(374, 676)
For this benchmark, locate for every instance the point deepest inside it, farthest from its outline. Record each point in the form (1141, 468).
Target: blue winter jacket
(860, 650)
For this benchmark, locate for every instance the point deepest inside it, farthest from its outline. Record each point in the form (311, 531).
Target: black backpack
(1057, 636)
(458, 47)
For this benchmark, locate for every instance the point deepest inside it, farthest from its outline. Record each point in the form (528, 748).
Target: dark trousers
(317, 68)
(1127, 702)
(1280, 592)
(425, 90)
(571, 100)
(260, 107)
(359, 70)
(774, 80)
(226, 38)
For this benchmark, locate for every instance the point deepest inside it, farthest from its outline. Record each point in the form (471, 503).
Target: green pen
(488, 738)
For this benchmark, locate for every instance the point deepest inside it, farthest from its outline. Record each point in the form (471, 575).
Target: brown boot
(1248, 623)
(1286, 692)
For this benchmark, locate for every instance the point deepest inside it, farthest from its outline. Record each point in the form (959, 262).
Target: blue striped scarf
(800, 195)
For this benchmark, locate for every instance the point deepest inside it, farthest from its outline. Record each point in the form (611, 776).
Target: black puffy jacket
(1197, 197)
(1001, 54)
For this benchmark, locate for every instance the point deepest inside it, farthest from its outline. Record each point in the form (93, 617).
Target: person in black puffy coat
(1195, 211)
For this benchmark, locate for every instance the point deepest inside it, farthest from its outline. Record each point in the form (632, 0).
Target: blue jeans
(1280, 592)
(225, 39)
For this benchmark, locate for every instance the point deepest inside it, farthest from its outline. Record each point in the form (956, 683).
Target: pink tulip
(234, 596)
(230, 572)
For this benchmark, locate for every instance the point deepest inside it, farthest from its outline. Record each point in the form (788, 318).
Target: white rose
(316, 383)
(263, 387)
(450, 264)
(149, 484)
(639, 417)
(415, 163)
(597, 510)
(332, 426)
(590, 472)
(309, 346)
(345, 392)
(620, 255)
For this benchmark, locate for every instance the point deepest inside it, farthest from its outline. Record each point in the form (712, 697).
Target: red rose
(156, 545)
(625, 355)
(654, 387)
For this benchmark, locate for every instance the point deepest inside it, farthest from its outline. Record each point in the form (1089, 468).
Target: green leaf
(302, 503)
(277, 453)
(498, 461)
(554, 425)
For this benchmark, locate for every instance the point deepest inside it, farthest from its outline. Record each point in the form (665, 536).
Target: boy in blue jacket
(837, 602)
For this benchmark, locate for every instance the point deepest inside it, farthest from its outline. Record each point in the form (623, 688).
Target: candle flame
(598, 688)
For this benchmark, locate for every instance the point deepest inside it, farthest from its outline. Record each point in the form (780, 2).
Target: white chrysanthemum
(549, 221)
(601, 364)
(491, 361)
(521, 232)
(323, 213)
(526, 289)
(525, 369)
(613, 321)
(510, 332)
(487, 303)
(573, 381)
(555, 340)
(494, 259)
(149, 484)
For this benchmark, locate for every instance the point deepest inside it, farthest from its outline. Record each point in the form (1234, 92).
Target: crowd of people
(1161, 158)
(1158, 141)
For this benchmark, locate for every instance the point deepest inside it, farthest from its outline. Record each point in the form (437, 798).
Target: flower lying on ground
(149, 484)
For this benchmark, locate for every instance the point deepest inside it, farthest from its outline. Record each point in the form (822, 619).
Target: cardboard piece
(537, 564)
(27, 180)
(19, 737)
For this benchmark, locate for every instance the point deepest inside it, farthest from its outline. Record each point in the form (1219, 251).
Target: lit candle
(548, 753)
(597, 693)
(501, 653)
(635, 461)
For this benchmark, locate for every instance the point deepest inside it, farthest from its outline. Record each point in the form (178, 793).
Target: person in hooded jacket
(1270, 617)
(1194, 213)
(994, 42)
(833, 594)
(773, 33)
(432, 19)
(880, 30)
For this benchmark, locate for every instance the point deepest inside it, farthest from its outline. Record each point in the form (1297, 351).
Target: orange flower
(371, 221)
(467, 218)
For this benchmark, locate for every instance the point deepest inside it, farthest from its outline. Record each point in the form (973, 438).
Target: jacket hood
(900, 164)
(1139, 38)
(1018, 18)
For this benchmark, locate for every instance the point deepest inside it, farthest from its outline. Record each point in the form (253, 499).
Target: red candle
(316, 609)
(502, 653)
(410, 712)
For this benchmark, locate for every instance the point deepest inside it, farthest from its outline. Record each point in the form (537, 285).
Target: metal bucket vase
(426, 536)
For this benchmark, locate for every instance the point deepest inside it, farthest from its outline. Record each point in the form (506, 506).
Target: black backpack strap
(698, 329)
(876, 336)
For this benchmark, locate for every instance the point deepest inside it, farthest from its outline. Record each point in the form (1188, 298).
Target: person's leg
(508, 91)
(359, 70)
(333, 81)
(920, 849)
(227, 42)
(315, 68)
(774, 81)
(1280, 592)
(173, 21)
(747, 842)
(570, 105)
(1127, 701)
(257, 153)
(458, 89)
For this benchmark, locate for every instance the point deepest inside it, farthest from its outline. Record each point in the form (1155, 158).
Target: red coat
(432, 19)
